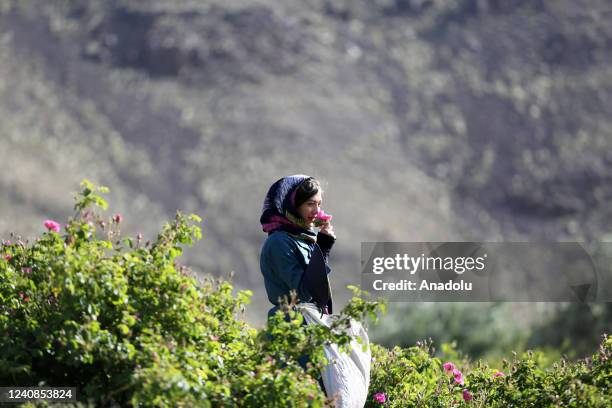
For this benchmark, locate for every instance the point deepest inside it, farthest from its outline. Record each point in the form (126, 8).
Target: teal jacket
(283, 261)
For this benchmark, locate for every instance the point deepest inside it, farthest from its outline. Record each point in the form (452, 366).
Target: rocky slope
(427, 120)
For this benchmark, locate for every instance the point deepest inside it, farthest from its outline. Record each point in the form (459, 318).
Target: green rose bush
(413, 377)
(126, 324)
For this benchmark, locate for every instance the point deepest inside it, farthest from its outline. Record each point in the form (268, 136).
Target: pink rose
(498, 374)
(117, 218)
(448, 367)
(321, 218)
(458, 376)
(8, 257)
(467, 396)
(380, 397)
(52, 225)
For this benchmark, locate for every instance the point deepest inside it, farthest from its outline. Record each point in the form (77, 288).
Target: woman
(294, 257)
(288, 216)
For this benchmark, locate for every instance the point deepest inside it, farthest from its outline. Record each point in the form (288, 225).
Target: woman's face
(309, 208)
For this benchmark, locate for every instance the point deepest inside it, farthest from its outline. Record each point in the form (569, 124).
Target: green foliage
(413, 377)
(119, 320)
(408, 377)
(126, 323)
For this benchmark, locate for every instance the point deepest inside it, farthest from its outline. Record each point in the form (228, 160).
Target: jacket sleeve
(284, 261)
(325, 242)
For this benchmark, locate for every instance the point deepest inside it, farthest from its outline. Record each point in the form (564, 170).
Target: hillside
(427, 120)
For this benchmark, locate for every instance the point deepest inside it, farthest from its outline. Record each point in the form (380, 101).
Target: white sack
(347, 376)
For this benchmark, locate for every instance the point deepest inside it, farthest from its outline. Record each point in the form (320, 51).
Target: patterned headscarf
(279, 211)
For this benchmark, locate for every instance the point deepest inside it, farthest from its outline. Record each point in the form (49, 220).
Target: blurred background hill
(427, 120)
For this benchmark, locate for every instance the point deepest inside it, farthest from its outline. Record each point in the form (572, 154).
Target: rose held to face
(322, 221)
(322, 218)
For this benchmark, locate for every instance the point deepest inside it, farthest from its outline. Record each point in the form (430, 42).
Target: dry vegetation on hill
(427, 120)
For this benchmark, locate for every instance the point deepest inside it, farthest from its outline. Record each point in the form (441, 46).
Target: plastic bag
(347, 376)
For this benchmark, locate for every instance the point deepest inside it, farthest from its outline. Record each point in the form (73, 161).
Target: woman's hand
(327, 229)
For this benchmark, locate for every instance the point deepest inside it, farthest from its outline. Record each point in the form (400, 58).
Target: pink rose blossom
(323, 217)
(498, 374)
(117, 218)
(8, 257)
(380, 397)
(52, 225)
(458, 376)
(448, 367)
(467, 396)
